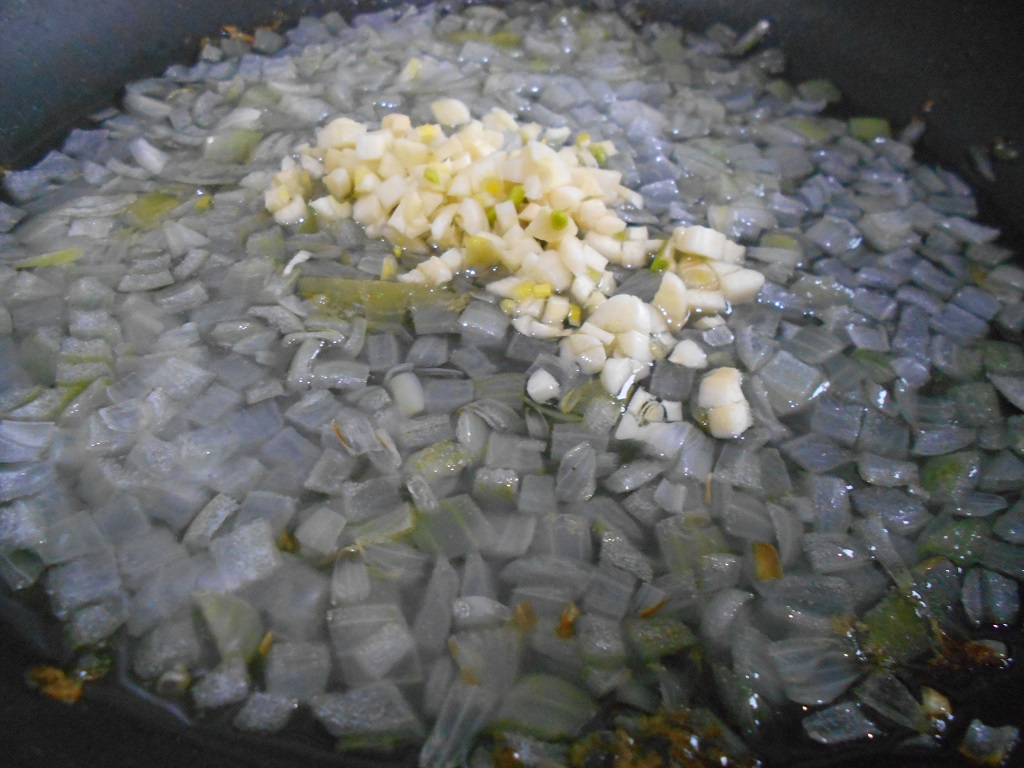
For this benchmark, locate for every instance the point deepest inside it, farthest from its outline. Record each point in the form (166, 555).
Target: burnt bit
(55, 683)
(566, 627)
(679, 738)
(955, 655)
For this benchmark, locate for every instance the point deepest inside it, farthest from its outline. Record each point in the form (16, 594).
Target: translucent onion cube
(265, 713)
(839, 723)
(372, 642)
(297, 670)
(988, 745)
(234, 623)
(815, 670)
(372, 716)
(247, 554)
(884, 693)
(434, 619)
(227, 683)
(547, 707)
(319, 533)
(463, 713)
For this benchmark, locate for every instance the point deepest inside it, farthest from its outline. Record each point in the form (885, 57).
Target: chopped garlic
(410, 71)
(293, 212)
(605, 337)
(635, 345)
(586, 351)
(733, 252)
(699, 241)
(621, 313)
(673, 410)
(298, 258)
(371, 146)
(529, 326)
(709, 321)
(435, 271)
(450, 112)
(543, 211)
(543, 387)
(671, 300)
(645, 406)
(407, 391)
(730, 420)
(721, 386)
(620, 374)
(689, 354)
(721, 396)
(706, 302)
(329, 208)
(741, 286)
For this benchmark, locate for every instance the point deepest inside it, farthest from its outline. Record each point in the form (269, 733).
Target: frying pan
(957, 63)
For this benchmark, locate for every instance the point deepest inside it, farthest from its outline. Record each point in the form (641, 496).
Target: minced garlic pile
(495, 197)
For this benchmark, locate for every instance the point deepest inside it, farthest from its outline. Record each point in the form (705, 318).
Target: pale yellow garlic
(410, 71)
(547, 267)
(505, 217)
(605, 245)
(507, 287)
(621, 313)
(583, 287)
(592, 210)
(741, 286)
(329, 208)
(586, 351)
(610, 224)
(556, 310)
(299, 258)
(556, 238)
(731, 420)
(633, 254)
(391, 190)
(689, 354)
(641, 402)
(435, 271)
(450, 112)
(733, 252)
(699, 241)
(662, 343)
(340, 132)
(454, 258)
(657, 321)
(312, 166)
(727, 410)
(721, 386)
(368, 211)
(372, 146)
(365, 181)
(705, 301)
(635, 345)
(293, 212)
(396, 123)
(530, 326)
(672, 301)
(708, 321)
(566, 198)
(552, 226)
(673, 410)
(338, 183)
(542, 387)
(620, 374)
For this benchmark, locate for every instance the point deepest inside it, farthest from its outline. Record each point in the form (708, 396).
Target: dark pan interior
(59, 60)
